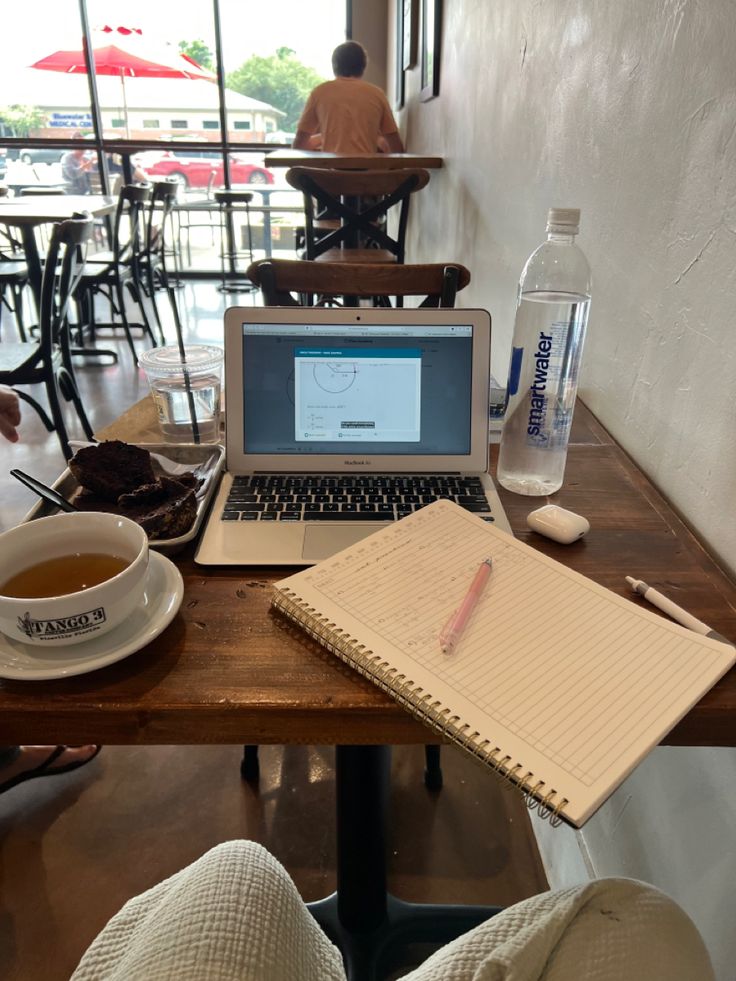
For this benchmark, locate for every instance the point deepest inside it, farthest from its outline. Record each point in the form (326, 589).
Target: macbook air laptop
(340, 420)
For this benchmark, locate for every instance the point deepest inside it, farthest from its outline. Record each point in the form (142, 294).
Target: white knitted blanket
(235, 915)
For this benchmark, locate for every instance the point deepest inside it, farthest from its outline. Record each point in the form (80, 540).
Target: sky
(311, 27)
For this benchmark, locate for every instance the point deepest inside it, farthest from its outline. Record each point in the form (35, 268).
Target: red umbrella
(124, 51)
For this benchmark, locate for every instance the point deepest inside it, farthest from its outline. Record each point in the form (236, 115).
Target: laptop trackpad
(320, 541)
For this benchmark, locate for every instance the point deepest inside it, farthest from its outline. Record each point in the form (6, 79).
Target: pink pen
(450, 633)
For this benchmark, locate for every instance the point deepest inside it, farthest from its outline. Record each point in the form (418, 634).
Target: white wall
(628, 111)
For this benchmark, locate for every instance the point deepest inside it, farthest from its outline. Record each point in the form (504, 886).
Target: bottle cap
(566, 221)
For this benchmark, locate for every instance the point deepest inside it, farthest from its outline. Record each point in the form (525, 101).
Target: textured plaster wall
(628, 111)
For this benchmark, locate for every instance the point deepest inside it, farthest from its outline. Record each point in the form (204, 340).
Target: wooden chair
(278, 279)
(49, 361)
(325, 282)
(360, 200)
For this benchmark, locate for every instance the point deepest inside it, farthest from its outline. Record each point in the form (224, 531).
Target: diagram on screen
(357, 394)
(334, 376)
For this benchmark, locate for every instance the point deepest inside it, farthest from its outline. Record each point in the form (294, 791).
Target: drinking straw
(183, 356)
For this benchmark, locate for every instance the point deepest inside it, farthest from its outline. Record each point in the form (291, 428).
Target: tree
(279, 79)
(20, 120)
(199, 52)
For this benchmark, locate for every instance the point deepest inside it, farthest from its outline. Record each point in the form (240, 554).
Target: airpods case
(558, 524)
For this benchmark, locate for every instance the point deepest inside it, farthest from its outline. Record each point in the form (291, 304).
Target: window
(269, 64)
(276, 60)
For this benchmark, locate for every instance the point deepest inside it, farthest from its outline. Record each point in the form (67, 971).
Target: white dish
(162, 598)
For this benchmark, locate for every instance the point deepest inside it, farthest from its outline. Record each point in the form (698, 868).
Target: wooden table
(27, 213)
(228, 671)
(343, 161)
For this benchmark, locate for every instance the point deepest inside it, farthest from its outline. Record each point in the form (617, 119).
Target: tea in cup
(71, 577)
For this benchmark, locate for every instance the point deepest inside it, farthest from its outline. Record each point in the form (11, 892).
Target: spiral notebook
(557, 683)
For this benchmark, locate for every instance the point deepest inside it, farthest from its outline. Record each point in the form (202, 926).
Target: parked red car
(194, 170)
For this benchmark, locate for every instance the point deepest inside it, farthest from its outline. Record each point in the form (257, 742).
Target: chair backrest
(63, 269)
(128, 236)
(278, 279)
(360, 199)
(164, 195)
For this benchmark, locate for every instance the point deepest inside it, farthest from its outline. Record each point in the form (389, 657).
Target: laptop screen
(357, 388)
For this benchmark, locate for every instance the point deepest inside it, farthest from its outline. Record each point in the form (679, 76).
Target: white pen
(677, 613)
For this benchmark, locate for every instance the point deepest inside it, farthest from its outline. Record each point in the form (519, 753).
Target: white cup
(56, 621)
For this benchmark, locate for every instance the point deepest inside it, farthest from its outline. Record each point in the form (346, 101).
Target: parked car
(40, 154)
(194, 169)
(280, 136)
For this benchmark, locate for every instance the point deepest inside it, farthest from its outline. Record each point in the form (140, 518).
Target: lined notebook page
(572, 682)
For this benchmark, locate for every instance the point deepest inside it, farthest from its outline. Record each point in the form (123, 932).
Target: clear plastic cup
(186, 394)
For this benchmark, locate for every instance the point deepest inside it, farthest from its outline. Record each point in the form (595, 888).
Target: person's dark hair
(349, 59)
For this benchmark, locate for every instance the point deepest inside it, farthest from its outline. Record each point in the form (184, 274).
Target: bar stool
(357, 203)
(230, 204)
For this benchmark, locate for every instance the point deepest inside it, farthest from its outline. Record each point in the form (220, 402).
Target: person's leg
(21, 763)
(603, 930)
(233, 915)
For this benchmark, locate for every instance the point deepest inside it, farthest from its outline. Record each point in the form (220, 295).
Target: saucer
(161, 600)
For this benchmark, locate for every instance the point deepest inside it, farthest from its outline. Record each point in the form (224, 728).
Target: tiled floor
(74, 848)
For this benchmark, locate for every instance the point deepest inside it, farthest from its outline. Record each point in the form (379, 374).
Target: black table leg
(371, 927)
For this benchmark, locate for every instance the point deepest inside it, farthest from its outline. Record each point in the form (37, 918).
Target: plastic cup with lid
(186, 392)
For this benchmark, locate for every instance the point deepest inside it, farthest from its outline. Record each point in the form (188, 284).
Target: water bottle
(549, 331)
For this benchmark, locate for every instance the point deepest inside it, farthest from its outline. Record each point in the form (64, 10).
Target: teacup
(58, 620)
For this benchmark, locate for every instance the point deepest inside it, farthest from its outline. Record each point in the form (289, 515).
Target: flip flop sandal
(46, 769)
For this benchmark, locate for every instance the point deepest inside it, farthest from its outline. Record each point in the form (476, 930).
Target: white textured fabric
(604, 930)
(235, 915)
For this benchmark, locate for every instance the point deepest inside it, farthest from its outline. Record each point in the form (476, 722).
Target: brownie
(112, 468)
(164, 508)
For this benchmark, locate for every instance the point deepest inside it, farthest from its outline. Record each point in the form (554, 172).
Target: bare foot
(32, 757)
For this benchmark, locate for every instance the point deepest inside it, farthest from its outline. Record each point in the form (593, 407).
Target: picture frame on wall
(408, 32)
(399, 67)
(431, 33)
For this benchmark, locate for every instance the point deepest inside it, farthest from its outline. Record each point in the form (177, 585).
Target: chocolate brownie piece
(190, 479)
(165, 508)
(112, 468)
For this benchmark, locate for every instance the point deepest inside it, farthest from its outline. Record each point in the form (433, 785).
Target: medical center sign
(71, 120)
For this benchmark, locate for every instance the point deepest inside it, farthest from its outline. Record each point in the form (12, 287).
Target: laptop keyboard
(334, 497)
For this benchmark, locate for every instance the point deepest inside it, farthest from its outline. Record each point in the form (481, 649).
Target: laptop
(340, 420)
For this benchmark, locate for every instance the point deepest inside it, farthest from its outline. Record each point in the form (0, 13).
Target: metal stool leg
(229, 202)
(250, 769)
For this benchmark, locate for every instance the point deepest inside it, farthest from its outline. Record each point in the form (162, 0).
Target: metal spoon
(47, 493)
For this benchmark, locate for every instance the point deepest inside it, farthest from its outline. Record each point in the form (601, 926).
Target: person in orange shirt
(347, 114)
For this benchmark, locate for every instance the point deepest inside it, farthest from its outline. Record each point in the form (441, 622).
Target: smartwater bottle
(549, 331)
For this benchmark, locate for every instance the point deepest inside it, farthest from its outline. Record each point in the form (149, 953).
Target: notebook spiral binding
(546, 801)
